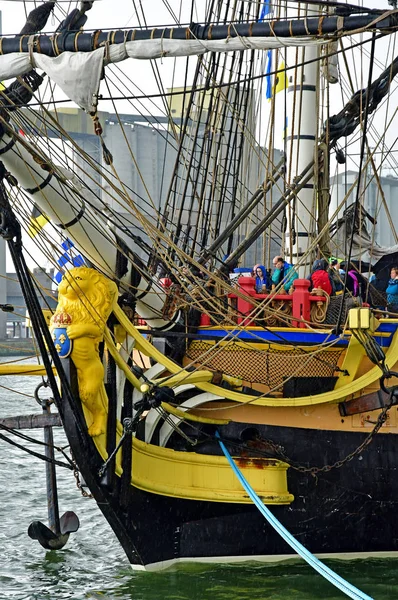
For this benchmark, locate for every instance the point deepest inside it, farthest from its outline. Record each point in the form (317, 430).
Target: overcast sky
(105, 14)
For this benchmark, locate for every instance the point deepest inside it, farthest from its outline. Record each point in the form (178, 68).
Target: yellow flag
(37, 221)
(281, 80)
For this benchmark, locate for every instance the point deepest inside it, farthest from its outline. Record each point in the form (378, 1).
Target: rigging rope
(36, 454)
(357, 199)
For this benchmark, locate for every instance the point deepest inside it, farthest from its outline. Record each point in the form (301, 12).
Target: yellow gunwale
(336, 395)
(206, 477)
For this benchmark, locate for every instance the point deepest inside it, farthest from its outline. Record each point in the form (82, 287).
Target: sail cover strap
(40, 186)
(343, 585)
(75, 219)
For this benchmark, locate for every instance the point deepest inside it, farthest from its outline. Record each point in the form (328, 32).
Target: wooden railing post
(245, 307)
(301, 307)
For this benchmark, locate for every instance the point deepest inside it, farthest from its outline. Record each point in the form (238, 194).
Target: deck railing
(294, 309)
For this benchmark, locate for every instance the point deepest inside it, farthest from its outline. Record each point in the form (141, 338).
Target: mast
(301, 146)
(69, 213)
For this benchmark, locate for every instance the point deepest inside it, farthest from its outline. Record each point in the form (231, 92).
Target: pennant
(265, 10)
(268, 69)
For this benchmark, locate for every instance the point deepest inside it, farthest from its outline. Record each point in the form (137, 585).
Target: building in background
(16, 320)
(152, 146)
(378, 197)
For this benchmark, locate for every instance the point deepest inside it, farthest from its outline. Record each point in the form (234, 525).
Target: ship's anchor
(56, 535)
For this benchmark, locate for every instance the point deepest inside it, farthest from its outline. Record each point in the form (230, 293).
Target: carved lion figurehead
(86, 295)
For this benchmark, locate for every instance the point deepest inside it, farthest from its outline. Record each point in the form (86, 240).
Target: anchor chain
(381, 419)
(280, 451)
(78, 482)
(339, 463)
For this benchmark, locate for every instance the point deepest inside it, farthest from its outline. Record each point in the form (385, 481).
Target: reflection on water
(93, 566)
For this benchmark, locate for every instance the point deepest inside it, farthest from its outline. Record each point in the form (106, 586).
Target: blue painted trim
(288, 337)
(388, 327)
(303, 337)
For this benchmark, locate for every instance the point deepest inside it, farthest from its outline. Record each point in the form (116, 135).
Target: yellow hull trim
(28, 369)
(192, 476)
(206, 477)
(336, 395)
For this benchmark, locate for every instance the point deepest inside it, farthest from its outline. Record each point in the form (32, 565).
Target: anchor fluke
(69, 523)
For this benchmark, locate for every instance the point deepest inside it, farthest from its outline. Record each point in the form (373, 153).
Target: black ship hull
(346, 510)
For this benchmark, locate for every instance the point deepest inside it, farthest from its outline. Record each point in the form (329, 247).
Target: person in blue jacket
(392, 291)
(283, 273)
(262, 279)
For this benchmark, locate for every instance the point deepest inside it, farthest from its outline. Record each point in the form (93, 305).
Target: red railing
(301, 300)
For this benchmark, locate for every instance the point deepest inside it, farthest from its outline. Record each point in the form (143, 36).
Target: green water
(92, 564)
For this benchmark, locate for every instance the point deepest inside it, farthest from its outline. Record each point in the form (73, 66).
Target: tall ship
(177, 368)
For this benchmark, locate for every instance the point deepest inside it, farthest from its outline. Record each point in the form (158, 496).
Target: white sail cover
(78, 73)
(363, 245)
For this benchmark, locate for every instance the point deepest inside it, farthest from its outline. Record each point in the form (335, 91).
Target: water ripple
(93, 567)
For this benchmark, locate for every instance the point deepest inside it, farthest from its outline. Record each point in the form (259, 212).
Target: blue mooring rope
(330, 575)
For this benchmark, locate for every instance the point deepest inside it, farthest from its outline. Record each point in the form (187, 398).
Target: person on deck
(283, 273)
(320, 277)
(335, 275)
(352, 280)
(254, 269)
(263, 281)
(392, 291)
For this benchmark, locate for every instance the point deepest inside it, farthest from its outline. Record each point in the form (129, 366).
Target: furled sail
(364, 246)
(65, 50)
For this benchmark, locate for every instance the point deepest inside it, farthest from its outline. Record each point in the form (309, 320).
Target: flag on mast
(265, 11)
(281, 81)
